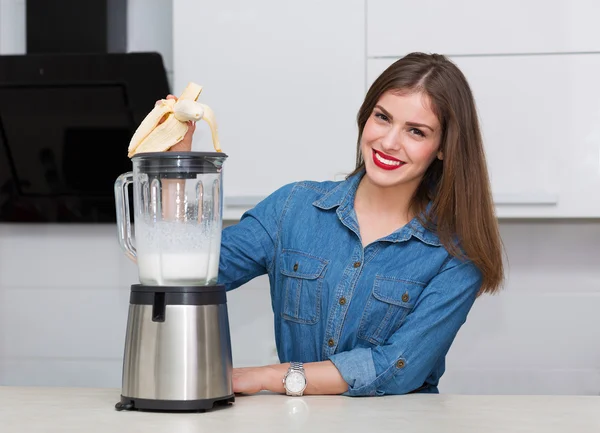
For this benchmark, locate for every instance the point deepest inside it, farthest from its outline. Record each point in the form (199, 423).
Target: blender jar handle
(123, 214)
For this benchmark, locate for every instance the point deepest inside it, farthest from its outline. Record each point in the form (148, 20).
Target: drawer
(459, 27)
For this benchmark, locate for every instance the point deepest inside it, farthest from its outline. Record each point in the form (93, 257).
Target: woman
(372, 277)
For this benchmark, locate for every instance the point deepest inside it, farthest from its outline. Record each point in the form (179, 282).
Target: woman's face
(400, 140)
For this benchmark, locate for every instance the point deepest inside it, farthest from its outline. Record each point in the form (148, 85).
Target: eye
(417, 132)
(382, 116)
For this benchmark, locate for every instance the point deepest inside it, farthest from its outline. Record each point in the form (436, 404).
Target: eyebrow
(413, 124)
(420, 125)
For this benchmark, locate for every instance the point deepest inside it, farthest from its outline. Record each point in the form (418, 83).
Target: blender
(177, 353)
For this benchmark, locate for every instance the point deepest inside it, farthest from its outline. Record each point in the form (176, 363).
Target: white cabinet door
(540, 119)
(396, 27)
(285, 80)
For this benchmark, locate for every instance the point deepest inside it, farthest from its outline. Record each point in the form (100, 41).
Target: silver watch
(294, 380)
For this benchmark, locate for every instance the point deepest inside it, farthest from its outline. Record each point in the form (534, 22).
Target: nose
(391, 141)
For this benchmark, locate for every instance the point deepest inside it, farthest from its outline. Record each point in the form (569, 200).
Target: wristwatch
(294, 380)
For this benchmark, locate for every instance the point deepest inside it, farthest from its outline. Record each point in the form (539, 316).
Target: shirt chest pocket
(390, 301)
(302, 277)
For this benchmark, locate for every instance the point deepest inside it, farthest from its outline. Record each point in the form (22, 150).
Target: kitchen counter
(62, 410)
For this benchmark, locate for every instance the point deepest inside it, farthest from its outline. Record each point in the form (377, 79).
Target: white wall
(64, 295)
(150, 27)
(12, 30)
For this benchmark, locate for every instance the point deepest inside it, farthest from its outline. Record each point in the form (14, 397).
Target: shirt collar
(342, 197)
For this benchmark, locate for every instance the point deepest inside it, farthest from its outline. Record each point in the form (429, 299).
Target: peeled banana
(185, 110)
(166, 124)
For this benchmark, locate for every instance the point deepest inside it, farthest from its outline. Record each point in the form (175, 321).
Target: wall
(149, 28)
(12, 30)
(541, 335)
(64, 293)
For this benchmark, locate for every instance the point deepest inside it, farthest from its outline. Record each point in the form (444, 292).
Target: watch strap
(297, 366)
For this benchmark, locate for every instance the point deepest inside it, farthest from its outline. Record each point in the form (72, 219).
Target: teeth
(386, 161)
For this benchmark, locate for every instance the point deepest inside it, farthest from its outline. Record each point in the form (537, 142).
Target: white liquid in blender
(177, 254)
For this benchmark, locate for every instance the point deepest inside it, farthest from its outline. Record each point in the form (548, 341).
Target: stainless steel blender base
(177, 349)
(143, 404)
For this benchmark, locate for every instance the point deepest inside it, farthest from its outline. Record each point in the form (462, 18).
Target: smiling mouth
(386, 162)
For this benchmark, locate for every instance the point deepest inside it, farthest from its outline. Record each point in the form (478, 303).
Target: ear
(440, 155)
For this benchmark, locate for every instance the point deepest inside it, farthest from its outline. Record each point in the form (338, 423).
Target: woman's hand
(184, 145)
(250, 380)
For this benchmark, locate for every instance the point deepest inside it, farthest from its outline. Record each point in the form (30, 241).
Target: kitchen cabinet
(540, 119)
(285, 80)
(471, 27)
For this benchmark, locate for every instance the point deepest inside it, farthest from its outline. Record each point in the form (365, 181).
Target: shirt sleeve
(248, 247)
(408, 357)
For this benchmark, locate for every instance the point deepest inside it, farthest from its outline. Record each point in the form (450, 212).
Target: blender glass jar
(177, 216)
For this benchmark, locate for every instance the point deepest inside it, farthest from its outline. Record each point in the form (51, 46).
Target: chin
(384, 179)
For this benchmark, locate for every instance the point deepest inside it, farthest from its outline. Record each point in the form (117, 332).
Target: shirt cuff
(358, 370)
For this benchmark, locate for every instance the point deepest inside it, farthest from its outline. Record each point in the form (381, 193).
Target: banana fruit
(166, 124)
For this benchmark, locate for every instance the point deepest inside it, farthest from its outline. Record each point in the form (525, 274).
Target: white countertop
(62, 410)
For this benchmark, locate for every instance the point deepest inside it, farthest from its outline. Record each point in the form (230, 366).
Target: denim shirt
(385, 315)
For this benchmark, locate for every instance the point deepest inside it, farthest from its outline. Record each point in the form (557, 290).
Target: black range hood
(65, 125)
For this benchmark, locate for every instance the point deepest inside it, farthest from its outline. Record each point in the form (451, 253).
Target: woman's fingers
(185, 145)
(169, 96)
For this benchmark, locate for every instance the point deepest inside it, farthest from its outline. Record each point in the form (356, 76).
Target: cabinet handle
(526, 199)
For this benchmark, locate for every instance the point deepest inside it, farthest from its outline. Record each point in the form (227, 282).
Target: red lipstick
(386, 162)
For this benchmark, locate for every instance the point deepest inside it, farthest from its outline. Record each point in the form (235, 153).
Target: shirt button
(342, 301)
(295, 267)
(400, 364)
(357, 264)
(330, 343)
(405, 297)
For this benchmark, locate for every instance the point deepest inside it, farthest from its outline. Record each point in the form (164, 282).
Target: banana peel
(167, 123)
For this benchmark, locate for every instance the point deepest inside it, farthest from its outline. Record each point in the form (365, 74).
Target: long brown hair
(458, 186)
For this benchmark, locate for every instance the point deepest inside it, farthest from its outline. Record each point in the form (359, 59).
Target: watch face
(295, 382)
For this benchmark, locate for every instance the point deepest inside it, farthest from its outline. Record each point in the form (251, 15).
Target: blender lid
(178, 155)
(179, 163)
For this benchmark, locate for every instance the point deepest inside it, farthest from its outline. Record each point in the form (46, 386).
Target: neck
(392, 202)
